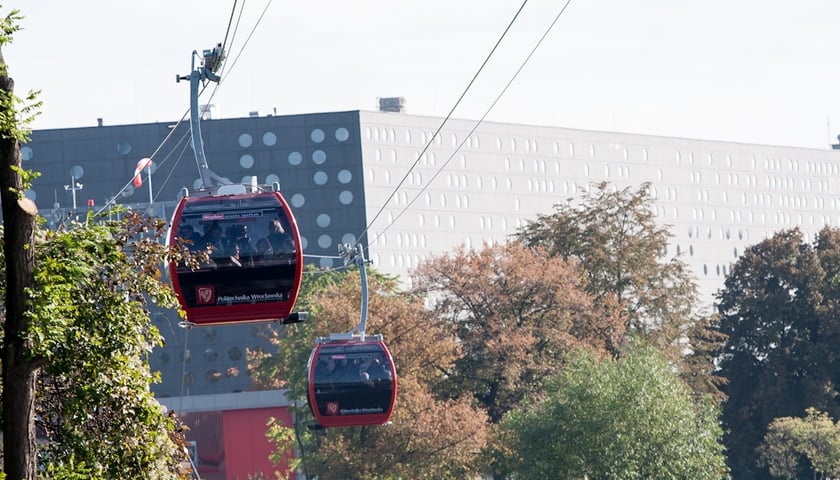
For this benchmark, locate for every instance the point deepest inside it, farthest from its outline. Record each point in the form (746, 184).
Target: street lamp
(73, 187)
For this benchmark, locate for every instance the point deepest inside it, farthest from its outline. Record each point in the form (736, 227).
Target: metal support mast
(356, 256)
(211, 60)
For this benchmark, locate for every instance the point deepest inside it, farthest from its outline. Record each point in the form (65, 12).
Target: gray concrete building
(386, 179)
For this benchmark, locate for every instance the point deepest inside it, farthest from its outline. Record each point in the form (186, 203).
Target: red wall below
(246, 446)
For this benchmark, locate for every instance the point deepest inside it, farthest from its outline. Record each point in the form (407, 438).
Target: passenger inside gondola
(326, 373)
(188, 235)
(264, 253)
(235, 258)
(212, 238)
(264, 247)
(281, 242)
(240, 239)
(373, 373)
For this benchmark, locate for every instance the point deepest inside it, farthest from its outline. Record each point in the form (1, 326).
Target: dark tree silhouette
(779, 309)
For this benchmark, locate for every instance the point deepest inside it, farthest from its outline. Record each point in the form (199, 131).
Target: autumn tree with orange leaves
(482, 331)
(517, 313)
(440, 437)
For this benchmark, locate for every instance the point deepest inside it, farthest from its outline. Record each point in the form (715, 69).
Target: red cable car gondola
(256, 261)
(255, 256)
(351, 379)
(351, 383)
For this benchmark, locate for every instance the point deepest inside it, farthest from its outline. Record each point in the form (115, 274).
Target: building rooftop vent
(391, 104)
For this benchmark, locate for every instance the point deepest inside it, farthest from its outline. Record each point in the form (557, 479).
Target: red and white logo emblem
(206, 295)
(332, 408)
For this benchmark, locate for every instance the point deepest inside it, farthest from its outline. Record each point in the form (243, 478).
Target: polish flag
(138, 179)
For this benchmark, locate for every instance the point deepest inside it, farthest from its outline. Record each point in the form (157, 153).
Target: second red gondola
(351, 383)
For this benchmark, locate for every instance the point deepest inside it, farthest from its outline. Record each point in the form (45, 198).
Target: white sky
(752, 71)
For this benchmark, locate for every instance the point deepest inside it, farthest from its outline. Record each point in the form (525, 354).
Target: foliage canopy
(90, 326)
(438, 436)
(624, 253)
(779, 309)
(794, 447)
(629, 418)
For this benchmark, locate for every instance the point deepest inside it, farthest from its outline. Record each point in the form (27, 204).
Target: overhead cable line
(480, 120)
(242, 49)
(154, 154)
(446, 119)
(230, 22)
(171, 170)
(113, 199)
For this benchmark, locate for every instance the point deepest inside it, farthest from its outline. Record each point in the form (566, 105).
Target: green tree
(779, 310)
(89, 334)
(624, 252)
(794, 446)
(75, 330)
(630, 418)
(92, 333)
(439, 437)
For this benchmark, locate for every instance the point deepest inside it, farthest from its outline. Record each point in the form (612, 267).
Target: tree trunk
(19, 371)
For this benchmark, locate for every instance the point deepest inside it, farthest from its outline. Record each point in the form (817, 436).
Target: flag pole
(149, 168)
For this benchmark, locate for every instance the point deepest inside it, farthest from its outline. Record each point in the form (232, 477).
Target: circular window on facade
(295, 159)
(77, 171)
(325, 241)
(26, 154)
(235, 353)
(342, 134)
(246, 140)
(317, 135)
(246, 161)
(325, 262)
(298, 200)
(213, 376)
(163, 358)
(344, 176)
(123, 148)
(211, 355)
(345, 197)
(209, 333)
(319, 157)
(269, 139)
